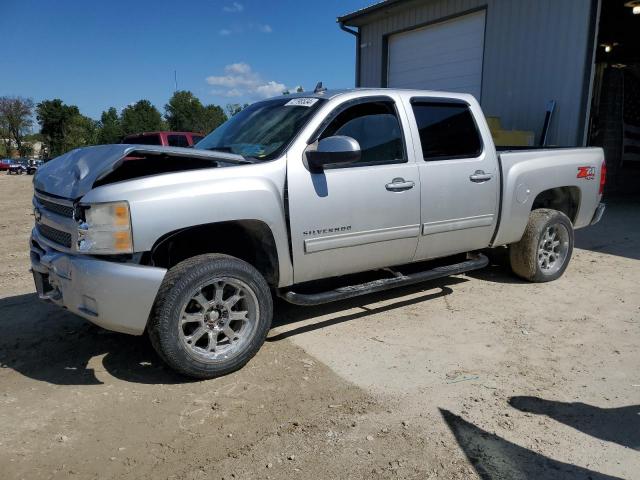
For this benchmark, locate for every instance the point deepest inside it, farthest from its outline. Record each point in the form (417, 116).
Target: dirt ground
(474, 376)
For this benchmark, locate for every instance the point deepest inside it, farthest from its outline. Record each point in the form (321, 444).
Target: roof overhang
(358, 17)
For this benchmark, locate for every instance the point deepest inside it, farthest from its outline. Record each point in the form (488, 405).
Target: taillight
(603, 177)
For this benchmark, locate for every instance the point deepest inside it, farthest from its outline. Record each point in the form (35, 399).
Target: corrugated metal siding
(535, 51)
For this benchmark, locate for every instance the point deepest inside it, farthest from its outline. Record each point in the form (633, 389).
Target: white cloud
(239, 80)
(270, 89)
(234, 7)
(240, 68)
(242, 28)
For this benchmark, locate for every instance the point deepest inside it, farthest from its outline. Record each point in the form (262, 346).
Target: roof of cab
(329, 94)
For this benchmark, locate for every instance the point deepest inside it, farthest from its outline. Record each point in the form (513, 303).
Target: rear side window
(447, 130)
(177, 140)
(376, 127)
(196, 138)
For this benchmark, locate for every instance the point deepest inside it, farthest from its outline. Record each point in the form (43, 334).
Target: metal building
(514, 55)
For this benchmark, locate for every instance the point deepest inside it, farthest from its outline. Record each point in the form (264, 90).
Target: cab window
(447, 130)
(376, 127)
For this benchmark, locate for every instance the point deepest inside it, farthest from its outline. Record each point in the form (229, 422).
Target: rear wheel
(545, 249)
(212, 315)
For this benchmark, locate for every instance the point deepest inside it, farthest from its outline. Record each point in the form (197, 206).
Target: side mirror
(333, 151)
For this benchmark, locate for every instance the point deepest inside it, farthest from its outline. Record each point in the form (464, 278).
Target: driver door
(359, 216)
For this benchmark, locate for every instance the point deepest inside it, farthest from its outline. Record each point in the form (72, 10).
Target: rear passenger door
(459, 177)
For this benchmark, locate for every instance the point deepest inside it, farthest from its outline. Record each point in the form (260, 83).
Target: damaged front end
(82, 254)
(73, 174)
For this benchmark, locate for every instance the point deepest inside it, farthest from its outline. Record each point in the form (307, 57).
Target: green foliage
(15, 120)
(34, 137)
(212, 117)
(83, 131)
(185, 113)
(141, 117)
(64, 127)
(25, 150)
(109, 127)
(56, 121)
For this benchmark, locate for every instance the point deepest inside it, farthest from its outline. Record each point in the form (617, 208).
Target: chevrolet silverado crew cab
(191, 244)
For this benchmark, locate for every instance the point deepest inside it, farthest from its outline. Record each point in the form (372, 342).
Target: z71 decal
(587, 173)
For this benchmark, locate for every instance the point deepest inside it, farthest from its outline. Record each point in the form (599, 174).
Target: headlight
(106, 229)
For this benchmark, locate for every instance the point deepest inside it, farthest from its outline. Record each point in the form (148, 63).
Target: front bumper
(598, 213)
(115, 296)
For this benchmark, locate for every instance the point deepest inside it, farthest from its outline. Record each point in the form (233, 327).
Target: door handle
(399, 184)
(479, 176)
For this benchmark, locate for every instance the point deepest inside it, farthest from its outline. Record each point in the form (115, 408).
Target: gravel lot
(474, 376)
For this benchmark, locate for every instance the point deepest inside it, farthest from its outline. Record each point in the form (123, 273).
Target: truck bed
(527, 173)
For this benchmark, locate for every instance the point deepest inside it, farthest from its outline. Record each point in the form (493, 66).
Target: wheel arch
(563, 199)
(250, 240)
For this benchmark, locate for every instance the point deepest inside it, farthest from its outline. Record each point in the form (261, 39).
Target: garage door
(444, 56)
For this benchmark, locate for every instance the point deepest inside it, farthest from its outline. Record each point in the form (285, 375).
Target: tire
(192, 324)
(544, 251)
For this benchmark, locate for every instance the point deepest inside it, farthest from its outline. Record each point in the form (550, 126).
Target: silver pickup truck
(190, 245)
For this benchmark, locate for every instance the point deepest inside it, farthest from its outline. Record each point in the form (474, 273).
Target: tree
(82, 131)
(233, 108)
(56, 120)
(141, 117)
(212, 117)
(25, 150)
(15, 120)
(109, 127)
(5, 136)
(185, 112)
(299, 89)
(64, 127)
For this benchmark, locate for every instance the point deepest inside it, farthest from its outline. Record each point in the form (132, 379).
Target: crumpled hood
(73, 174)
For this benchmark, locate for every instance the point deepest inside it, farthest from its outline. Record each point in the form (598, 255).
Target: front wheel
(211, 316)
(544, 251)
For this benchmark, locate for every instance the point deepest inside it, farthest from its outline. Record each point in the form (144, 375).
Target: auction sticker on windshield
(301, 102)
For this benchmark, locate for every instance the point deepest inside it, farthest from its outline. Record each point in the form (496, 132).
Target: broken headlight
(105, 229)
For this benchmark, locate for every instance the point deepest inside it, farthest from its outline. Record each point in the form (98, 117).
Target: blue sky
(97, 54)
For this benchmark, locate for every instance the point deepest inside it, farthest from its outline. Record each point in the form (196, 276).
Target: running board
(476, 262)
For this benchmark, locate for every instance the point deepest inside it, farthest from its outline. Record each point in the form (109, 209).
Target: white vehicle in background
(190, 244)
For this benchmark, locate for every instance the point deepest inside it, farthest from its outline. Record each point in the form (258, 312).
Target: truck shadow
(287, 314)
(49, 344)
(495, 458)
(46, 343)
(618, 425)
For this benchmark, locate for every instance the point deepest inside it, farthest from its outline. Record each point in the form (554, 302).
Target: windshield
(262, 130)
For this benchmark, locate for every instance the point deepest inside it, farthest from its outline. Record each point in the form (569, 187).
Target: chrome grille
(55, 235)
(58, 208)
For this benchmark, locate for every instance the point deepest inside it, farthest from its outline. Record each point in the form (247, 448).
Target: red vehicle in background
(5, 164)
(167, 139)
